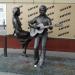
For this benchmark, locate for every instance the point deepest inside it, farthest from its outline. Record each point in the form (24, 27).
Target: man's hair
(43, 7)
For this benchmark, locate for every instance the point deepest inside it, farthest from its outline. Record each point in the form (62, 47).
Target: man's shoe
(41, 62)
(35, 65)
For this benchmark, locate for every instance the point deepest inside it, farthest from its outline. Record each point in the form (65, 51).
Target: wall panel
(61, 14)
(39, 1)
(15, 1)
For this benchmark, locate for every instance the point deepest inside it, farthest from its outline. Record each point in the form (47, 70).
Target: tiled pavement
(7, 73)
(16, 64)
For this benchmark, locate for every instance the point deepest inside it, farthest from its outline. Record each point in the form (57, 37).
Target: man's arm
(50, 24)
(33, 23)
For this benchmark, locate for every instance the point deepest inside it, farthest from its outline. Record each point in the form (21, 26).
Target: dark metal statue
(21, 34)
(41, 37)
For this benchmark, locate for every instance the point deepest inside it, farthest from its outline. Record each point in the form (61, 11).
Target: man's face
(42, 11)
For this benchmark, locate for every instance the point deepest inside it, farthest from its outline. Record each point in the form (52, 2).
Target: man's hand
(38, 28)
(51, 27)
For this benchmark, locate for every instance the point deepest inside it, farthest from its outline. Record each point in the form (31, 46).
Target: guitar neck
(47, 26)
(32, 26)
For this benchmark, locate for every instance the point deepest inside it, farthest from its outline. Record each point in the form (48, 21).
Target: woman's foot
(24, 54)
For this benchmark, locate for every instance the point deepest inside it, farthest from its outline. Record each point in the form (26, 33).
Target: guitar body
(34, 32)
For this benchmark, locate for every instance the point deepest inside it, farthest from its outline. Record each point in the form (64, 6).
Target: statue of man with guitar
(39, 30)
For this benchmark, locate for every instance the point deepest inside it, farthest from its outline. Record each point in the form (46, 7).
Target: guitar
(34, 30)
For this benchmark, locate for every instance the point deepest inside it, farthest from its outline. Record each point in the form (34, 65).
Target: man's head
(42, 9)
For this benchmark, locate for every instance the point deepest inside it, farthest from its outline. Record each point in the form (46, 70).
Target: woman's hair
(15, 10)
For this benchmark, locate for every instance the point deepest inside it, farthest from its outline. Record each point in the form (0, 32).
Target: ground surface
(18, 64)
